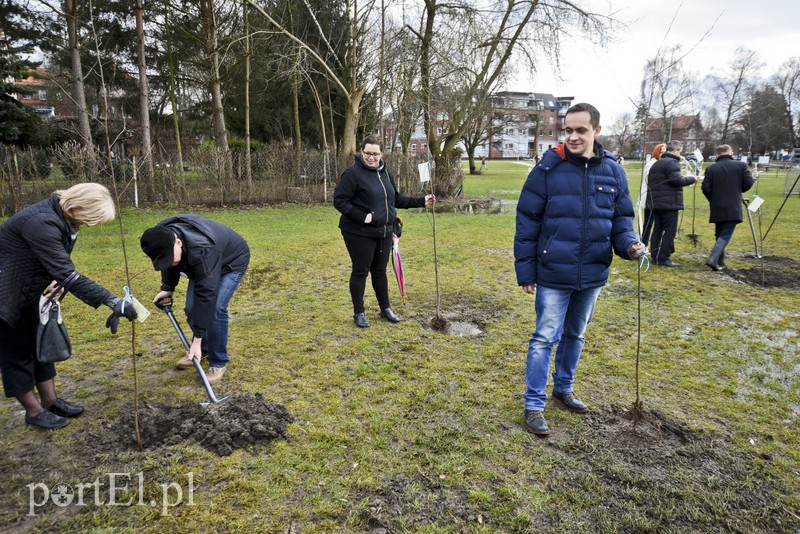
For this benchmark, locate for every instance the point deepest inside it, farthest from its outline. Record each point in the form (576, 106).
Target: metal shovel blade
(214, 400)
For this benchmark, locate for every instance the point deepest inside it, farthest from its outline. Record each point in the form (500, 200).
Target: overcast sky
(609, 78)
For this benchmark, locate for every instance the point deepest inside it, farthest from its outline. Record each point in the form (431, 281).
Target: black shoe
(390, 315)
(47, 420)
(667, 263)
(65, 409)
(714, 267)
(361, 320)
(573, 403)
(535, 422)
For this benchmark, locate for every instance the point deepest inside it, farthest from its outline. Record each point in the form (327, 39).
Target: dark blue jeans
(724, 230)
(215, 342)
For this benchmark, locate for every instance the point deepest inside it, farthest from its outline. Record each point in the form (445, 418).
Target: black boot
(361, 320)
(390, 316)
(716, 252)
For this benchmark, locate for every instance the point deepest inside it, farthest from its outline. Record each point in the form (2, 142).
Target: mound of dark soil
(770, 271)
(244, 421)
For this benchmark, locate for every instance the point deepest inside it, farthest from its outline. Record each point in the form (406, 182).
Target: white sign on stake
(425, 172)
(698, 155)
(755, 203)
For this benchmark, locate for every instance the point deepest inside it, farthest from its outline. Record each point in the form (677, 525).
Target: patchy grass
(407, 429)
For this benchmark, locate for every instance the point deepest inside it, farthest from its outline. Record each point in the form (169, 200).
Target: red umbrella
(397, 261)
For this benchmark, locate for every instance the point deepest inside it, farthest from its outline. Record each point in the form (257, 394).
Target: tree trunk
(144, 105)
(248, 161)
(78, 91)
(172, 98)
(218, 115)
(351, 118)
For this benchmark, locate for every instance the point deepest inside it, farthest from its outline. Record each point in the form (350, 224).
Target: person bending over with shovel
(214, 258)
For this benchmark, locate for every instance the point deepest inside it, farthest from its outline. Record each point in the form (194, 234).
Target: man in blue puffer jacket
(574, 212)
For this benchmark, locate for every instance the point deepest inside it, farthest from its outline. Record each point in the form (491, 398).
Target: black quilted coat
(35, 247)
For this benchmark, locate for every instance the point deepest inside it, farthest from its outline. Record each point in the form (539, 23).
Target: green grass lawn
(411, 430)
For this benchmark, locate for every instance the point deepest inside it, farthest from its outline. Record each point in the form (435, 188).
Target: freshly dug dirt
(221, 428)
(769, 271)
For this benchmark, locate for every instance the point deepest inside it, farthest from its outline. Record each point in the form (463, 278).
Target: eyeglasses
(372, 154)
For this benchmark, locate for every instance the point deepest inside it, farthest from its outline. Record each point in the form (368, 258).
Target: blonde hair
(92, 203)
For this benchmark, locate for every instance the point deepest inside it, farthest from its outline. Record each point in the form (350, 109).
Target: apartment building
(37, 95)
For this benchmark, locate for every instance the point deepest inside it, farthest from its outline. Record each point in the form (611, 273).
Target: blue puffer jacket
(572, 213)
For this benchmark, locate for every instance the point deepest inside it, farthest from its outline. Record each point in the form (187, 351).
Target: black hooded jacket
(665, 184)
(210, 250)
(35, 248)
(362, 190)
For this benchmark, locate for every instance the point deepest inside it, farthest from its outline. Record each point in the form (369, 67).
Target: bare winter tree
(354, 85)
(666, 88)
(476, 41)
(732, 88)
(70, 10)
(787, 82)
(144, 104)
(623, 134)
(209, 18)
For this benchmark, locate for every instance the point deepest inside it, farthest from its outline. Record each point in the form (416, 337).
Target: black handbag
(52, 339)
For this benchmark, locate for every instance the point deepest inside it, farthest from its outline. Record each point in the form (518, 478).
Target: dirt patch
(453, 327)
(245, 421)
(769, 271)
(670, 463)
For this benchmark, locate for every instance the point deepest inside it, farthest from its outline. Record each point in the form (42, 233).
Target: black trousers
(18, 364)
(369, 255)
(665, 226)
(647, 228)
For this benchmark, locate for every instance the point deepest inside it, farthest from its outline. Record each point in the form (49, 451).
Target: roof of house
(680, 122)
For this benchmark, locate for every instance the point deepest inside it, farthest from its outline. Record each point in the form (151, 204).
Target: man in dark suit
(724, 183)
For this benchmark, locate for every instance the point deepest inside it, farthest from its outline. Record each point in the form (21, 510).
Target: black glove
(119, 308)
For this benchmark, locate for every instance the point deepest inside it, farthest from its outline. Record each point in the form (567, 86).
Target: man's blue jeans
(561, 318)
(215, 342)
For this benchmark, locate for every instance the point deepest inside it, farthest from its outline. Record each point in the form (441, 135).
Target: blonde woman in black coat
(35, 248)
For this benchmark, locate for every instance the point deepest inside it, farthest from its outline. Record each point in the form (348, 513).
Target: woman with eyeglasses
(367, 198)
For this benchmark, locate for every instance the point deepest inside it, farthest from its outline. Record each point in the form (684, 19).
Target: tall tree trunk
(351, 118)
(172, 98)
(78, 90)
(144, 105)
(248, 161)
(212, 42)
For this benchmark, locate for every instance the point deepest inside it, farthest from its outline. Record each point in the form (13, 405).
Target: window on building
(438, 131)
(509, 145)
(550, 119)
(510, 131)
(424, 146)
(692, 134)
(413, 146)
(531, 132)
(42, 94)
(549, 133)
